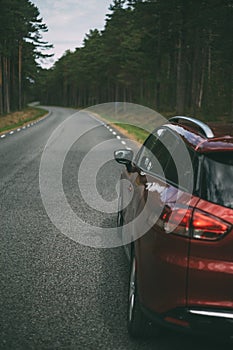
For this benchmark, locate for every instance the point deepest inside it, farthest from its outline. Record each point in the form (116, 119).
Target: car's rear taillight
(208, 227)
(178, 221)
(194, 223)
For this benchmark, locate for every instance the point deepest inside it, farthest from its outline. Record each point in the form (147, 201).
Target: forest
(175, 56)
(21, 44)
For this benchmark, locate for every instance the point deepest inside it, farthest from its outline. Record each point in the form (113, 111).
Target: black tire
(119, 221)
(139, 326)
(119, 216)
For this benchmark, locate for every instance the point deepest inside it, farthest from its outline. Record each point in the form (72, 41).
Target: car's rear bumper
(214, 322)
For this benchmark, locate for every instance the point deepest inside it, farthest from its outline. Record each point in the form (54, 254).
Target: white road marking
(113, 132)
(23, 127)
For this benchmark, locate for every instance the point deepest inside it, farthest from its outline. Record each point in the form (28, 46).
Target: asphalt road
(56, 293)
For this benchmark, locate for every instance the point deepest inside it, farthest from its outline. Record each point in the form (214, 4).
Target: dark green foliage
(172, 55)
(20, 45)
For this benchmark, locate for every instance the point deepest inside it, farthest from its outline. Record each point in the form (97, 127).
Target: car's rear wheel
(119, 221)
(138, 324)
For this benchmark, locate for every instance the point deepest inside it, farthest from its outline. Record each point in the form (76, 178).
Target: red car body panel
(177, 271)
(210, 277)
(162, 257)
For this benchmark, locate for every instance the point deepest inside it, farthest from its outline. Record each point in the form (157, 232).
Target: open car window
(164, 154)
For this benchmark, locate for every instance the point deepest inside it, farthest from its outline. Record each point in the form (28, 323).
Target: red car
(176, 220)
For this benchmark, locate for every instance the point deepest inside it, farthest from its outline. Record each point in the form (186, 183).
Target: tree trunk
(209, 57)
(195, 73)
(116, 92)
(231, 112)
(124, 94)
(202, 78)
(6, 84)
(1, 87)
(20, 75)
(141, 91)
(158, 70)
(180, 87)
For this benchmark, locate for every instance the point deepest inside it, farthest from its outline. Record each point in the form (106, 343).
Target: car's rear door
(162, 255)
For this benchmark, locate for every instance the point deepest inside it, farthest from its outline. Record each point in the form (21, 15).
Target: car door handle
(130, 188)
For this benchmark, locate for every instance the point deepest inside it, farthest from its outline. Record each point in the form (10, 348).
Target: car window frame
(193, 156)
(155, 134)
(201, 190)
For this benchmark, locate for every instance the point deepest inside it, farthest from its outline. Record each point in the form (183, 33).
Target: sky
(68, 21)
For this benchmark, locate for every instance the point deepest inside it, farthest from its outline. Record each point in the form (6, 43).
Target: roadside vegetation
(130, 131)
(138, 134)
(21, 45)
(14, 120)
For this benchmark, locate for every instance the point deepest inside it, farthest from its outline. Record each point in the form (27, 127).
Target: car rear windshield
(217, 184)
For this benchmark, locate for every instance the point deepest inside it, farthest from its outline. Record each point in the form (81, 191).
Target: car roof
(203, 137)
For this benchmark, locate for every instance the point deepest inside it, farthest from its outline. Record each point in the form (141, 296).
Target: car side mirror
(123, 156)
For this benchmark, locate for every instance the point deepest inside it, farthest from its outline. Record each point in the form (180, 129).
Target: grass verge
(14, 120)
(133, 132)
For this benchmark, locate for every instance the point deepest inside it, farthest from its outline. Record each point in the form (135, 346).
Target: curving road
(54, 292)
